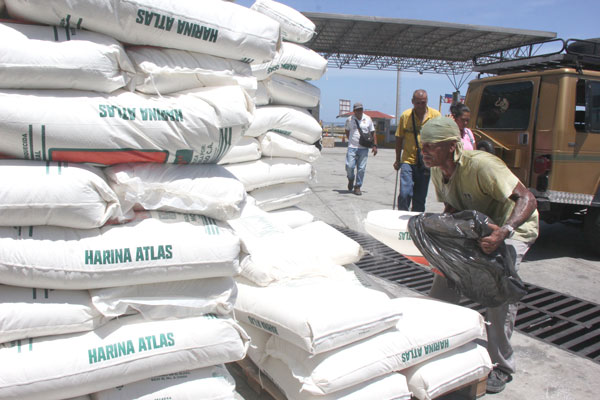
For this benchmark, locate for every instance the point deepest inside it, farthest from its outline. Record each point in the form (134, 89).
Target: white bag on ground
(295, 27)
(289, 121)
(392, 386)
(270, 171)
(217, 27)
(45, 57)
(55, 193)
(205, 189)
(190, 127)
(246, 149)
(279, 196)
(209, 383)
(390, 227)
(30, 312)
(295, 61)
(274, 144)
(427, 329)
(292, 216)
(167, 247)
(448, 371)
(123, 351)
(164, 71)
(291, 91)
(317, 314)
(179, 299)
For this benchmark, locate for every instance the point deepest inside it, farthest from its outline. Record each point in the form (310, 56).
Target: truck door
(507, 112)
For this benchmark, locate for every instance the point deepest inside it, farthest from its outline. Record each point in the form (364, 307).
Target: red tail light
(542, 164)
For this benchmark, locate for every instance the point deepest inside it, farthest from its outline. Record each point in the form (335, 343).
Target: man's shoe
(350, 184)
(357, 190)
(497, 380)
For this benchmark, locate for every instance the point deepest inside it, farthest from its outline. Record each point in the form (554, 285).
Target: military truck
(538, 108)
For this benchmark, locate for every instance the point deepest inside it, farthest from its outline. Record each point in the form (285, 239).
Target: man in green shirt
(476, 180)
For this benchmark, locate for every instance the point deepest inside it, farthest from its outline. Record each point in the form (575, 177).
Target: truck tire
(591, 228)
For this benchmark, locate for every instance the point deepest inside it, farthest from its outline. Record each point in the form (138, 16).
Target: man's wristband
(510, 229)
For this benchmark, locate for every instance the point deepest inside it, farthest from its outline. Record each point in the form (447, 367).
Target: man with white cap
(477, 180)
(356, 156)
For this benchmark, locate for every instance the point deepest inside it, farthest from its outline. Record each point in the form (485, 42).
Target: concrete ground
(559, 260)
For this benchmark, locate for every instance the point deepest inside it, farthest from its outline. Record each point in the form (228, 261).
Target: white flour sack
(168, 247)
(45, 57)
(209, 383)
(275, 144)
(216, 27)
(448, 371)
(205, 189)
(190, 127)
(179, 299)
(289, 121)
(295, 27)
(55, 193)
(278, 253)
(388, 387)
(316, 314)
(279, 196)
(30, 312)
(254, 226)
(418, 337)
(295, 61)
(246, 149)
(292, 216)
(391, 386)
(164, 71)
(264, 269)
(261, 97)
(291, 91)
(123, 351)
(270, 171)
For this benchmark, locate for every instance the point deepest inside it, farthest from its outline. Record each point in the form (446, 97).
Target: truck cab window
(587, 106)
(505, 106)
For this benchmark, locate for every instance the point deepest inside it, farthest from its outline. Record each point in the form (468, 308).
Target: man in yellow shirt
(414, 178)
(477, 180)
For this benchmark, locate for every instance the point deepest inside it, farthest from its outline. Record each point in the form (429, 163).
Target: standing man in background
(414, 178)
(356, 157)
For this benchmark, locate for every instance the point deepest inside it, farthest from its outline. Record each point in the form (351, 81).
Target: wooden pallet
(264, 387)
(258, 382)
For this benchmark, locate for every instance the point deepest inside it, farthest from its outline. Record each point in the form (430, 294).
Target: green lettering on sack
(404, 236)
(197, 31)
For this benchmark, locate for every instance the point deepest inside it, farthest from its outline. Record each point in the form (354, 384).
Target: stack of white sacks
(136, 303)
(139, 186)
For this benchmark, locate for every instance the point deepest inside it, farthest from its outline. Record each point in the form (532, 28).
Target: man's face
(436, 154)
(419, 101)
(358, 113)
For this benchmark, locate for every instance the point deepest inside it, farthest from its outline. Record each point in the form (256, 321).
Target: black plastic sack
(449, 243)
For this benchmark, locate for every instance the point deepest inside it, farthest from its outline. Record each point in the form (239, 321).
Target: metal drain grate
(555, 318)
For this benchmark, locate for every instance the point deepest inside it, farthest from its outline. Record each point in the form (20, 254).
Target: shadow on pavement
(561, 240)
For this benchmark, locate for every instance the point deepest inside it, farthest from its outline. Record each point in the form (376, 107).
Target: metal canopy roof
(349, 41)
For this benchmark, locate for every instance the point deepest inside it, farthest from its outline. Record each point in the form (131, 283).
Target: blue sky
(377, 89)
